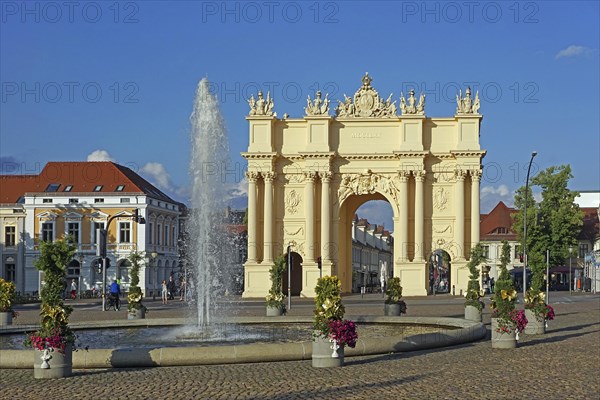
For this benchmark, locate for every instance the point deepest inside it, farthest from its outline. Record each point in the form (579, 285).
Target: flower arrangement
(504, 299)
(7, 297)
(393, 294)
(135, 295)
(54, 333)
(276, 298)
(535, 299)
(474, 293)
(329, 313)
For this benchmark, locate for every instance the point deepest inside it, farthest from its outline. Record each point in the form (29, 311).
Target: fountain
(207, 243)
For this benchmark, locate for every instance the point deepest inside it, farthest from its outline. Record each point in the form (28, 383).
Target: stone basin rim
(468, 331)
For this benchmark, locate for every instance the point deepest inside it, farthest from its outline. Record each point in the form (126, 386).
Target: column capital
(460, 174)
(403, 176)
(475, 174)
(419, 175)
(252, 176)
(310, 176)
(326, 176)
(269, 176)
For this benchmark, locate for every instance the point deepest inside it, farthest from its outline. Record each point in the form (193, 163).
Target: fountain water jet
(206, 241)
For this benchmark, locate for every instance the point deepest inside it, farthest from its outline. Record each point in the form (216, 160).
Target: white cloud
(377, 212)
(158, 175)
(237, 189)
(490, 196)
(99, 155)
(573, 51)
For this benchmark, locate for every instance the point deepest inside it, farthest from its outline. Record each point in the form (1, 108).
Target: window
(98, 200)
(46, 200)
(150, 233)
(125, 200)
(98, 188)
(73, 231)
(166, 241)
(583, 250)
(158, 234)
(53, 187)
(173, 237)
(10, 272)
(119, 188)
(486, 251)
(95, 227)
(125, 232)
(68, 188)
(73, 201)
(10, 236)
(47, 231)
(501, 230)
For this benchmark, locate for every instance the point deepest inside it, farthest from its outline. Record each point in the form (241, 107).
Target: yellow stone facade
(308, 176)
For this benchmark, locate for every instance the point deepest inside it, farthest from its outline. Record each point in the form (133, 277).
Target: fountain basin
(459, 331)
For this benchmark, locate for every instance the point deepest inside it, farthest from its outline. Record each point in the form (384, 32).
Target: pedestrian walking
(171, 288)
(165, 292)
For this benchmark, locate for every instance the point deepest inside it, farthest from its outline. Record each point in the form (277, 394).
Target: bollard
(453, 290)
(461, 292)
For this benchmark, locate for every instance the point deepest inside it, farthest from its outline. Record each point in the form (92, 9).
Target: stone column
(268, 220)
(459, 225)
(325, 216)
(419, 214)
(309, 214)
(252, 176)
(475, 213)
(403, 177)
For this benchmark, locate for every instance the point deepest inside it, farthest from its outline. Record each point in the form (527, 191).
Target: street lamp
(289, 251)
(533, 154)
(80, 258)
(570, 285)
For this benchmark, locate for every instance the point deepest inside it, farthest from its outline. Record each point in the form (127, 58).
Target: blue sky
(107, 80)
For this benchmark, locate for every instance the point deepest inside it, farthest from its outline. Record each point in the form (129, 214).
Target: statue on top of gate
(367, 103)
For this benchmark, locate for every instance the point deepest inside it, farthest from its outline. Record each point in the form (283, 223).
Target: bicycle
(112, 301)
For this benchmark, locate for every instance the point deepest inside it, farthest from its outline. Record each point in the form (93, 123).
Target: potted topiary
(331, 333)
(537, 311)
(506, 321)
(275, 300)
(473, 303)
(135, 308)
(54, 342)
(394, 305)
(7, 299)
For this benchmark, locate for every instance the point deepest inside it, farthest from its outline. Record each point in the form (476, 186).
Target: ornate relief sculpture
(367, 103)
(466, 105)
(261, 106)
(366, 183)
(292, 200)
(252, 176)
(317, 106)
(269, 176)
(410, 106)
(440, 199)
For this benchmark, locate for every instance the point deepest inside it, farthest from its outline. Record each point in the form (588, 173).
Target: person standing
(171, 288)
(164, 294)
(73, 289)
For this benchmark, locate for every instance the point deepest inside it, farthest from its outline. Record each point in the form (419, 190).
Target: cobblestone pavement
(563, 364)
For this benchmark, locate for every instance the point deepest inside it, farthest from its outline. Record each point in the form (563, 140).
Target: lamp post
(80, 258)
(570, 270)
(533, 154)
(102, 237)
(289, 251)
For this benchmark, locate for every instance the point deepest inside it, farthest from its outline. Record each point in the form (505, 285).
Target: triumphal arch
(308, 176)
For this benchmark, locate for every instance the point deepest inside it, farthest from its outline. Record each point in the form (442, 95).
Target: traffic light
(319, 263)
(137, 217)
(101, 242)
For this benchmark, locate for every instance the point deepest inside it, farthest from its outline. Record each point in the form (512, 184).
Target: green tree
(505, 296)
(553, 223)
(473, 289)
(135, 295)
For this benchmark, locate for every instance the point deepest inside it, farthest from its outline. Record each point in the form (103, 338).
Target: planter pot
(52, 364)
(472, 313)
(6, 318)
(392, 310)
(502, 340)
(323, 354)
(137, 314)
(274, 311)
(535, 325)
